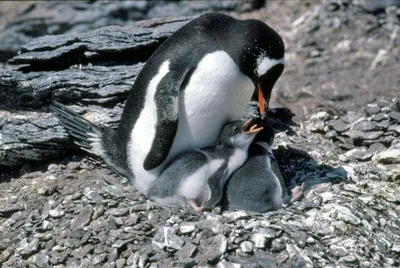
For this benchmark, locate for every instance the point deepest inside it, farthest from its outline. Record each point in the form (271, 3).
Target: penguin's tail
(86, 135)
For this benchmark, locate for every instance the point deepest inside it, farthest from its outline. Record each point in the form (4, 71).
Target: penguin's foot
(194, 205)
(297, 193)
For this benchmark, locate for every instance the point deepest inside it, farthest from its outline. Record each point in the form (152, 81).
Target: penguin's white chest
(217, 93)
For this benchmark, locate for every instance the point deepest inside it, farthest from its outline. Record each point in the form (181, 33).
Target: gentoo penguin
(258, 185)
(198, 177)
(199, 79)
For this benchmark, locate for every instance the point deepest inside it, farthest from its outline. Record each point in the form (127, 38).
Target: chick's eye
(236, 129)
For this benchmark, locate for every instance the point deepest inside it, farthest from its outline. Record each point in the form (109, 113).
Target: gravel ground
(341, 79)
(76, 213)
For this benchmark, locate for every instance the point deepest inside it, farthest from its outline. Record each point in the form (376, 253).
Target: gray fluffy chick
(197, 178)
(258, 185)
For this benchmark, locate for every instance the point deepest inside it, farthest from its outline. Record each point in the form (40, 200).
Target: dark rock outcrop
(50, 18)
(95, 69)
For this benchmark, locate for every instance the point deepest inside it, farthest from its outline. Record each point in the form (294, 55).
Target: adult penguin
(199, 79)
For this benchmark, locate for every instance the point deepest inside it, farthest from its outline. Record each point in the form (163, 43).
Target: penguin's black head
(261, 57)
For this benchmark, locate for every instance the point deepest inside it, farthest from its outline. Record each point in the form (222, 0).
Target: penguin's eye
(236, 129)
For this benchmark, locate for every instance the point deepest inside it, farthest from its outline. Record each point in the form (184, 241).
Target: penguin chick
(258, 185)
(198, 177)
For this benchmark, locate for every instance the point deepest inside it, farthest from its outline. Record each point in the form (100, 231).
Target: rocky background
(61, 208)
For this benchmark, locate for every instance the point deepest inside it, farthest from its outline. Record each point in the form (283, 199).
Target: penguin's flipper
(85, 133)
(216, 185)
(167, 103)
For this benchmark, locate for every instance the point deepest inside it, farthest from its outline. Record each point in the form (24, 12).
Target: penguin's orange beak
(252, 130)
(261, 101)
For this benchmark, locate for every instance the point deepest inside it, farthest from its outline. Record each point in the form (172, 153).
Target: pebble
(362, 135)
(27, 248)
(372, 109)
(214, 247)
(338, 125)
(83, 218)
(338, 251)
(246, 246)
(390, 156)
(278, 244)
(352, 188)
(366, 199)
(259, 240)
(396, 247)
(348, 217)
(225, 264)
(55, 213)
(187, 227)
(349, 259)
(165, 237)
(234, 216)
(118, 212)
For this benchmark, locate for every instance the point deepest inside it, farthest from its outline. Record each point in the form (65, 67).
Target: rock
(186, 263)
(236, 215)
(119, 263)
(278, 244)
(361, 135)
(213, 247)
(73, 18)
(366, 199)
(166, 237)
(268, 233)
(345, 215)
(372, 109)
(187, 251)
(26, 248)
(94, 196)
(118, 212)
(259, 240)
(298, 257)
(246, 246)
(338, 251)
(396, 247)
(122, 242)
(41, 260)
(356, 154)
(379, 117)
(338, 125)
(352, 188)
(395, 128)
(331, 134)
(83, 218)
(187, 227)
(390, 156)
(225, 264)
(376, 148)
(395, 116)
(366, 126)
(56, 213)
(6, 211)
(132, 219)
(5, 255)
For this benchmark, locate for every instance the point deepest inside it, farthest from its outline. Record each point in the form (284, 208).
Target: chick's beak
(253, 129)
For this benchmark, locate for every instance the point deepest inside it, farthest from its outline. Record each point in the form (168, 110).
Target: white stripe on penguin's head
(265, 63)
